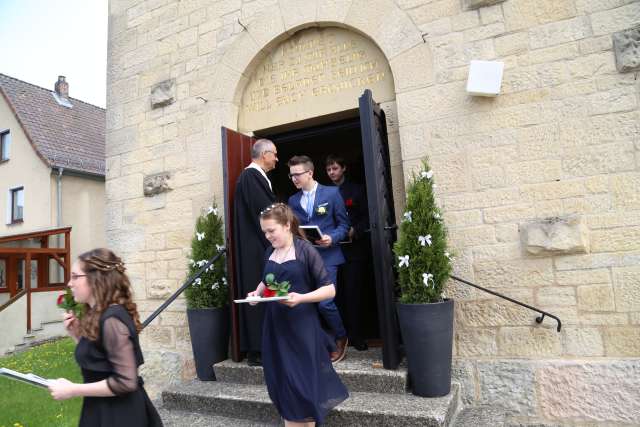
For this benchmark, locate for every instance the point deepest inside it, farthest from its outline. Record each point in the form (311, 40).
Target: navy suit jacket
(334, 222)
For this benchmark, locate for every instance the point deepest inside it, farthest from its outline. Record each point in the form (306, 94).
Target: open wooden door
(236, 155)
(375, 149)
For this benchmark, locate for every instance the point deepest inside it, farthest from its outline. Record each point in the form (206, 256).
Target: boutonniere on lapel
(348, 203)
(322, 209)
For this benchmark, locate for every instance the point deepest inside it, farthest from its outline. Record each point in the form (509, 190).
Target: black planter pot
(209, 330)
(427, 333)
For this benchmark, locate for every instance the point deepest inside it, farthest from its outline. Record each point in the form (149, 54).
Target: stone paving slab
(360, 371)
(195, 419)
(251, 402)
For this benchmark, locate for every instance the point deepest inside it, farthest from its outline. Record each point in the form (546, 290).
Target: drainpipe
(59, 216)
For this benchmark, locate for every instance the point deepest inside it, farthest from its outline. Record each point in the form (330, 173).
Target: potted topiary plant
(207, 298)
(424, 265)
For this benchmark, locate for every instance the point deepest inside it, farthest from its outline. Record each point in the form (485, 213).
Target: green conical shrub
(211, 289)
(423, 262)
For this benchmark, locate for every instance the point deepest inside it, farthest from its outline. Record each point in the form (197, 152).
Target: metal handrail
(186, 284)
(539, 319)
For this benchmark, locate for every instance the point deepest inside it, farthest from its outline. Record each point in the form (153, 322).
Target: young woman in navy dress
(298, 372)
(107, 350)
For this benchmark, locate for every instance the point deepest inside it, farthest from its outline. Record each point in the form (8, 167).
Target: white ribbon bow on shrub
(404, 260)
(200, 236)
(425, 240)
(426, 277)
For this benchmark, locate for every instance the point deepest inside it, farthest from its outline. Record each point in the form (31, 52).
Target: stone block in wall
(476, 4)
(553, 236)
(163, 93)
(156, 184)
(509, 384)
(626, 46)
(591, 393)
(627, 288)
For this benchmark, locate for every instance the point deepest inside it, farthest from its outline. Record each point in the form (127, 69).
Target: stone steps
(360, 371)
(251, 402)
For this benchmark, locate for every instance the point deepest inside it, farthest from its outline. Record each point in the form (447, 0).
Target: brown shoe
(341, 350)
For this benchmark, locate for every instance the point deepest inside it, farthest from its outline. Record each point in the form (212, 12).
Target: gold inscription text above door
(315, 72)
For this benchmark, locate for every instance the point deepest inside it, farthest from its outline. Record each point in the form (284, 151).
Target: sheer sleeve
(117, 342)
(316, 268)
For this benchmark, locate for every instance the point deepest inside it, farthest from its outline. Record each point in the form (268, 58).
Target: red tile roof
(70, 138)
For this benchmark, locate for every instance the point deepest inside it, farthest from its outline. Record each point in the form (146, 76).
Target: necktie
(309, 204)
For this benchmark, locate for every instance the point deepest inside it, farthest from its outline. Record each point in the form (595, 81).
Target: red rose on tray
(274, 288)
(268, 293)
(348, 203)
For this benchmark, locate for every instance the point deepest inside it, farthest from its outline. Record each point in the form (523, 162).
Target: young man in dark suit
(253, 193)
(316, 204)
(354, 274)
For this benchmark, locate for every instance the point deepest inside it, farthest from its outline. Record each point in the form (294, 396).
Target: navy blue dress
(295, 349)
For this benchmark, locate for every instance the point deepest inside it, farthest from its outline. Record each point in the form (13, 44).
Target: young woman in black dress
(107, 350)
(298, 372)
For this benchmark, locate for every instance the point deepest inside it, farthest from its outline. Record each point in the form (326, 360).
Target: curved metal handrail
(539, 319)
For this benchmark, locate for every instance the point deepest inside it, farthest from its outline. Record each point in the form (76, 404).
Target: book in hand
(311, 232)
(31, 379)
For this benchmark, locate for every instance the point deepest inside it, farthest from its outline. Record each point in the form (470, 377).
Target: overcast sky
(42, 39)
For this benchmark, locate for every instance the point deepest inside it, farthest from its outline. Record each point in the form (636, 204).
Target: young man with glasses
(253, 194)
(316, 204)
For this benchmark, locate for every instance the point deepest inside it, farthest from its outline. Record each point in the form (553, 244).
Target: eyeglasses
(275, 153)
(74, 277)
(297, 175)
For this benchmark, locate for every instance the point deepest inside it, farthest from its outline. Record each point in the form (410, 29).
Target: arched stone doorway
(308, 96)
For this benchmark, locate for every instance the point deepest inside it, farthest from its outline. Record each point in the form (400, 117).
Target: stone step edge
(356, 379)
(260, 408)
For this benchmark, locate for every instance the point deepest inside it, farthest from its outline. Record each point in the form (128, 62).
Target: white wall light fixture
(485, 78)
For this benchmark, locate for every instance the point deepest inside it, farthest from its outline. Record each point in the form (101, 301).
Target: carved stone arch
(382, 22)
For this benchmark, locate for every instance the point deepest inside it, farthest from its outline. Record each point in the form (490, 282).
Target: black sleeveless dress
(298, 372)
(115, 356)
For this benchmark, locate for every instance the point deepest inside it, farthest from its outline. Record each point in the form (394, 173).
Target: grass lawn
(22, 405)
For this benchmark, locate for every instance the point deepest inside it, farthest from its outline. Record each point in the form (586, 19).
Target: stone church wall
(540, 186)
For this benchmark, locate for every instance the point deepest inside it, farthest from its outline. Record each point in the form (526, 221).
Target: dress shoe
(254, 359)
(360, 345)
(341, 350)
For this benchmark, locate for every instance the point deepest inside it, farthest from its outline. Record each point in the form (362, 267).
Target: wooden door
(236, 155)
(375, 148)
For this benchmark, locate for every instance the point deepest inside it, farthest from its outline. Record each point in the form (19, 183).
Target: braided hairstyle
(109, 285)
(283, 215)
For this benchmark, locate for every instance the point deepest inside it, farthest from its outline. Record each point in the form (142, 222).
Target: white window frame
(5, 134)
(10, 205)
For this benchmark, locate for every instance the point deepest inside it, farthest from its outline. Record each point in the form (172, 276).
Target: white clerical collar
(256, 166)
(313, 190)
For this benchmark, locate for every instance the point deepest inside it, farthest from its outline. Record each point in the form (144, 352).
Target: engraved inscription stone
(626, 45)
(316, 71)
(558, 235)
(163, 94)
(156, 184)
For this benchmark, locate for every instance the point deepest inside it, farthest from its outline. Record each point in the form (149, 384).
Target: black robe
(252, 196)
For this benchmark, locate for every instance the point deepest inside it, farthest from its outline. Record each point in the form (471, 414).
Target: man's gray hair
(260, 147)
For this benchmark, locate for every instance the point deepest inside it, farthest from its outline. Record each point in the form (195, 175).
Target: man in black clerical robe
(253, 193)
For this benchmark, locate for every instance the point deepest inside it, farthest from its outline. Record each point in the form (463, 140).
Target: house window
(17, 204)
(5, 140)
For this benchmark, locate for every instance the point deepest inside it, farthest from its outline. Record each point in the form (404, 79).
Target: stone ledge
(360, 371)
(554, 236)
(252, 403)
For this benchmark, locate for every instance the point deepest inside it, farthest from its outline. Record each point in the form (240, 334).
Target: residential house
(52, 170)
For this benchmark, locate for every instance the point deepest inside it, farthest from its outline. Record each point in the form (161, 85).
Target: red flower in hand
(60, 300)
(348, 203)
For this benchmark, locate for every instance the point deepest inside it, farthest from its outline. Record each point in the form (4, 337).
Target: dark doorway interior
(343, 138)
